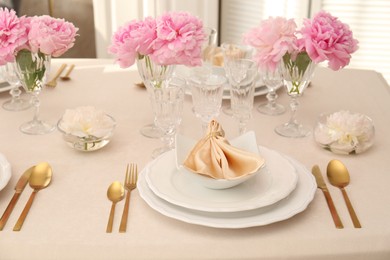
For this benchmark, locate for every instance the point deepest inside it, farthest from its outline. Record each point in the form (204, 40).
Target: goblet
(16, 103)
(296, 77)
(272, 80)
(242, 77)
(153, 75)
(32, 70)
(206, 90)
(168, 107)
(232, 52)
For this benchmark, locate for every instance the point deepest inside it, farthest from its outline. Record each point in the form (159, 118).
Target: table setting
(228, 186)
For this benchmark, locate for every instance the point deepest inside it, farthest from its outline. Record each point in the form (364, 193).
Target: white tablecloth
(68, 219)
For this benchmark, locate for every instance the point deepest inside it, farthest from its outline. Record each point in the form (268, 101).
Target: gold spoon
(66, 76)
(338, 176)
(40, 178)
(115, 193)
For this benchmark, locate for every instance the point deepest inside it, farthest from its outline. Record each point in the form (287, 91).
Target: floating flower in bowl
(86, 128)
(344, 132)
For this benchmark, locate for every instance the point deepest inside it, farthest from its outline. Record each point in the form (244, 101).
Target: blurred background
(99, 19)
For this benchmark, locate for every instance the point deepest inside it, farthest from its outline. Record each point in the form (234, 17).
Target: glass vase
(33, 69)
(296, 77)
(152, 75)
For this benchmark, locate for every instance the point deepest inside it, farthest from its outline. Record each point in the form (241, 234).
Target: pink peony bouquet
(324, 38)
(173, 38)
(44, 34)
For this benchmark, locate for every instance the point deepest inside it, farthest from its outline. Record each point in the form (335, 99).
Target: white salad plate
(296, 202)
(5, 171)
(5, 86)
(274, 182)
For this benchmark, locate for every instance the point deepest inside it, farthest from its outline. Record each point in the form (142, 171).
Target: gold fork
(130, 184)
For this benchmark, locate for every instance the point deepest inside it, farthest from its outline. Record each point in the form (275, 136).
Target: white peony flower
(345, 132)
(86, 122)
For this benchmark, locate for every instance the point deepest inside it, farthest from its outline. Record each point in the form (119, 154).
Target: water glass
(242, 77)
(168, 107)
(207, 91)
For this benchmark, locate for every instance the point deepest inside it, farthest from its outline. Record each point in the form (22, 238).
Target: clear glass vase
(152, 75)
(296, 77)
(33, 69)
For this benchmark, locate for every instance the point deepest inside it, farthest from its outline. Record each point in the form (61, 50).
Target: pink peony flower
(12, 35)
(327, 38)
(50, 35)
(136, 37)
(179, 40)
(272, 40)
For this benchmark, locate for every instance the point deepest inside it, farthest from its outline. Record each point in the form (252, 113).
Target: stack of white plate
(283, 188)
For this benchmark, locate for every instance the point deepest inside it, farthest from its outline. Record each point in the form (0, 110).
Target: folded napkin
(213, 156)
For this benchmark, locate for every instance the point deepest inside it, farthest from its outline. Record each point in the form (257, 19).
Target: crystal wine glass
(206, 90)
(233, 52)
(16, 103)
(296, 76)
(168, 107)
(33, 69)
(272, 80)
(242, 77)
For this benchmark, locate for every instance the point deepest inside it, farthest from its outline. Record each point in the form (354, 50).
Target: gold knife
(20, 185)
(322, 186)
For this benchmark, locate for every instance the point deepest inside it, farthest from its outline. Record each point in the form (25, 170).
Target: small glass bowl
(352, 133)
(88, 143)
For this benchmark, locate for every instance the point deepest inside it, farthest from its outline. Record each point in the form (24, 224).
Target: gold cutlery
(338, 176)
(130, 184)
(115, 193)
(322, 186)
(53, 83)
(66, 76)
(40, 178)
(19, 187)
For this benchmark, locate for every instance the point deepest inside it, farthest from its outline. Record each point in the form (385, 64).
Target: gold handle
(123, 225)
(8, 210)
(60, 70)
(333, 211)
(355, 220)
(69, 71)
(19, 223)
(111, 219)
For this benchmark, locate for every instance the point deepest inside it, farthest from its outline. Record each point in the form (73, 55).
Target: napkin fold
(213, 156)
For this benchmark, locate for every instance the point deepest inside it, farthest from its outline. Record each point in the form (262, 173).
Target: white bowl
(184, 145)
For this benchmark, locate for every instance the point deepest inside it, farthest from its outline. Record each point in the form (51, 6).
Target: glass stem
(15, 93)
(168, 139)
(272, 96)
(241, 127)
(294, 107)
(36, 103)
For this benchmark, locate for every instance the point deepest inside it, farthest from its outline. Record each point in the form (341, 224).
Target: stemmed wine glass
(232, 52)
(272, 80)
(168, 103)
(242, 77)
(206, 91)
(296, 78)
(153, 75)
(16, 103)
(32, 70)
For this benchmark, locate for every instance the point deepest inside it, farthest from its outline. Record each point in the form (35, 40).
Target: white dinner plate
(274, 182)
(5, 171)
(296, 202)
(4, 86)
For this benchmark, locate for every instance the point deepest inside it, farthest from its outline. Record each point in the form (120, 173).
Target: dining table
(68, 219)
